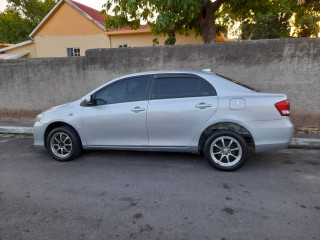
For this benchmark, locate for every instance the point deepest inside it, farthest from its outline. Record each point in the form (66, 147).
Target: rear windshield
(239, 83)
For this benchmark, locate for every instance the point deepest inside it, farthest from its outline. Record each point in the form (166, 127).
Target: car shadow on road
(166, 159)
(256, 161)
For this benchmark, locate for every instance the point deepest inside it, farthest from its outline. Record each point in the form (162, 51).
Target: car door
(119, 116)
(180, 104)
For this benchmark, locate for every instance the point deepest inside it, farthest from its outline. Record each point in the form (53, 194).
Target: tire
(226, 150)
(64, 144)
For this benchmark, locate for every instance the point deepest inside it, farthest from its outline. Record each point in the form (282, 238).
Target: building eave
(121, 32)
(15, 55)
(16, 46)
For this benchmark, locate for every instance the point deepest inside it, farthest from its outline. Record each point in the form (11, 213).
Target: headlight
(39, 117)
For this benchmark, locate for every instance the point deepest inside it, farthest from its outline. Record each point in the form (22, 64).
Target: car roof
(168, 72)
(219, 82)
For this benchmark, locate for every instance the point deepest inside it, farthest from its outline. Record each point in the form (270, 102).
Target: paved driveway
(141, 195)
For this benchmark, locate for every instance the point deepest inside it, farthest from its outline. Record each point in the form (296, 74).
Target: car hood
(57, 107)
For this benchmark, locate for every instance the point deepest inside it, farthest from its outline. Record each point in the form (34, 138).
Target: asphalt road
(141, 195)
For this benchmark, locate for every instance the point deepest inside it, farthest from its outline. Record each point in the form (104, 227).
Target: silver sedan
(184, 111)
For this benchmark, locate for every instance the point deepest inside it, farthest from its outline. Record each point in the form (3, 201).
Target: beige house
(71, 28)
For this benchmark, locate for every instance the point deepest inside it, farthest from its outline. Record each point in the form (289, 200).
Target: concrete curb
(295, 143)
(305, 143)
(16, 130)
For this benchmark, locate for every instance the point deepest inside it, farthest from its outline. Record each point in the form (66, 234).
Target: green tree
(166, 17)
(13, 28)
(258, 19)
(21, 17)
(274, 18)
(266, 26)
(307, 18)
(33, 10)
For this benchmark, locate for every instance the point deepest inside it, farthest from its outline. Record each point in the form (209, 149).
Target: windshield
(239, 83)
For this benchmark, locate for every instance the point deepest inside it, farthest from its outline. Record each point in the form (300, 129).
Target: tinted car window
(181, 87)
(127, 90)
(239, 83)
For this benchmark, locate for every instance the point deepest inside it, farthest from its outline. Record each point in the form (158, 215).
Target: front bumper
(38, 134)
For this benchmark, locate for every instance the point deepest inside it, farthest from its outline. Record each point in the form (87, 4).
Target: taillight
(283, 107)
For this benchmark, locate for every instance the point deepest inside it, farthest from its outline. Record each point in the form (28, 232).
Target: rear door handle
(137, 109)
(203, 105)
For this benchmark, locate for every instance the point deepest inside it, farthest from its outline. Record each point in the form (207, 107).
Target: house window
(73, 52)
(123, 45)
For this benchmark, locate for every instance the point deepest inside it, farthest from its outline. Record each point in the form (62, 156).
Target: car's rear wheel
(63, 144)
(226, 150)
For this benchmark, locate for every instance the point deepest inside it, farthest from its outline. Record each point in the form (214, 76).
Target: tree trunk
(207, 21)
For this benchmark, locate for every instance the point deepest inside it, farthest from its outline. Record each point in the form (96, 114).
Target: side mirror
(90, 100)
(93, 101)
(87, 99)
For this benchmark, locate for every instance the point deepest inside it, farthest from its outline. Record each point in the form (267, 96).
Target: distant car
(183, 111)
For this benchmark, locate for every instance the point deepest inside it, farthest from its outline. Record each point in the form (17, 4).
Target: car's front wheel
(63, 144)
(226, 150)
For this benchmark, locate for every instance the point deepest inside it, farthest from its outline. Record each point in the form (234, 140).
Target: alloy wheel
(226, 151)
(61, 145)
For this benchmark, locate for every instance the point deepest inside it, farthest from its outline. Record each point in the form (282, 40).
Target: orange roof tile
(95, 14)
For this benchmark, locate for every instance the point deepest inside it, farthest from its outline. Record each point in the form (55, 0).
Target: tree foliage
(307, 19)
(258, 19)
(166, 17)
(274, 18)
(21, 17)
(266, 26)
(14, 29)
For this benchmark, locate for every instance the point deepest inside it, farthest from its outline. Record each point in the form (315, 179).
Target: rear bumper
(271, 135)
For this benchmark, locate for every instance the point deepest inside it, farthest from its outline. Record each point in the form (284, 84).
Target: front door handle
(137, 109)
(203, 105)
